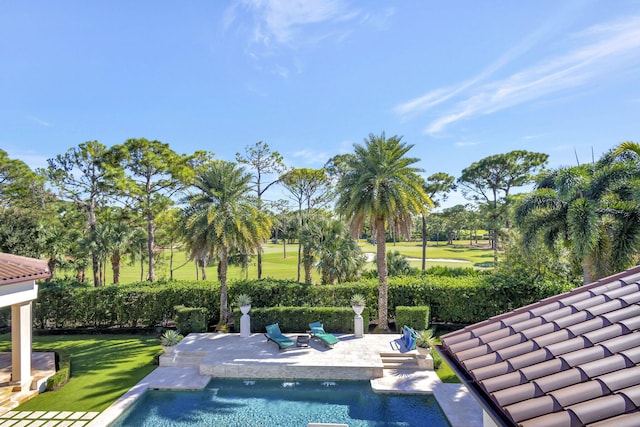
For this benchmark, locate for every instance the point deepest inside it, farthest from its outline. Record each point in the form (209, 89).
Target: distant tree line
(96, 206)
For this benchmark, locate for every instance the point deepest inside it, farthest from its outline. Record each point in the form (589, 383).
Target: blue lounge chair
(317, 331)
(409, 337)
(274, 334)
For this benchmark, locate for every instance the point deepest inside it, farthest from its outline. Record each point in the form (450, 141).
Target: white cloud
(466, 143)
(31, 158)
(601, 51)
(280, 22)
(310, 157)
(38, 121)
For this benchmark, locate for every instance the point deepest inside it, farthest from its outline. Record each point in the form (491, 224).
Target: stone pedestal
(358, 326)
(245, 326)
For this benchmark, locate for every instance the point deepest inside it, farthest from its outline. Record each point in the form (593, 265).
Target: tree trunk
(586, 276)
(259, 261)
(224, 312)
(171, 260)
(383, 285)
(150, 246)
(115, 266)
(307, 267)
(299, 260)
(424, 242)
(95, 261)
(284, 243)
(203, 266)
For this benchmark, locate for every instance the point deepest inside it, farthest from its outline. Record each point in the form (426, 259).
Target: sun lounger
(409, 337)
(274, 334)
(317, 331)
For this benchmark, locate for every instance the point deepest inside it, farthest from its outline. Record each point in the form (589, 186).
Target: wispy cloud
(278, 29)
(310, 157)
(38, 121)
(466, 143)
(281, 22)
(601, 51)
(33, 159)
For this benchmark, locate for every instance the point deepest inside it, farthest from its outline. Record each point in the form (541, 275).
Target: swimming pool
(238, 402)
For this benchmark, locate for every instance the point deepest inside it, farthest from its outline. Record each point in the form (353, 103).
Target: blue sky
(460, 80)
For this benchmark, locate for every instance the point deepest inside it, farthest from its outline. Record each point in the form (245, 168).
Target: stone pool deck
(378, 358)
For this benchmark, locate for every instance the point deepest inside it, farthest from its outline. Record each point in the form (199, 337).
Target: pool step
(399, 361)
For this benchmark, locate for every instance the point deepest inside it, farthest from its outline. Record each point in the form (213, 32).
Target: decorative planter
(245, 308)
(168, 349)
(358, 309)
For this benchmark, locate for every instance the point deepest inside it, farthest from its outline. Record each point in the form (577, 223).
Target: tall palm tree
(590, 208)
(223, 212)
(381, 186)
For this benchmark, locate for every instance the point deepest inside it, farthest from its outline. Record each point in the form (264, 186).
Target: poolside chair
(409, 337)
(274, 334)
(317, 331)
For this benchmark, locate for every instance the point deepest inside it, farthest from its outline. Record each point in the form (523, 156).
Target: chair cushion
(273, 329)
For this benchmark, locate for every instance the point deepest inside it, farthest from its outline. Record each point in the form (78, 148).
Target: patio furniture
(303, 340)
(274, 334)
(317, 331)
(409, 336)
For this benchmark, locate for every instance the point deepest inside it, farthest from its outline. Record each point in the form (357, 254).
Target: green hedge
(63, 369)
(297, 319)
(455, 299)
(416, 317)
(191, 319)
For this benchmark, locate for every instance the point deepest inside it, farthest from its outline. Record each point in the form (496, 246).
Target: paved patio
(375, 357)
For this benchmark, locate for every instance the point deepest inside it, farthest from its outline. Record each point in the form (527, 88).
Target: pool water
(237, 402)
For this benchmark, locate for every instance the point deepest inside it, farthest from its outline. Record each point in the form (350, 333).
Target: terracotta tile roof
(14, 269)
(570, 360)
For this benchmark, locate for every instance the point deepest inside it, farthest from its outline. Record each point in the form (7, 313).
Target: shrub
(63, 370)
(191, 319)
(416, 317)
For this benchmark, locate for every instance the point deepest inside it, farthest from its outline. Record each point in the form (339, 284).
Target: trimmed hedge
(416, 317)
(63, 370)
(457, 299)
(297, 319)
(191, 319)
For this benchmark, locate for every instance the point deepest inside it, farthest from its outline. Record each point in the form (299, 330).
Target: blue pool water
(237, 402)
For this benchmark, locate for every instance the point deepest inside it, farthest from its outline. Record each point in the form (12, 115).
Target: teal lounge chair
(317, 331)
(274, 334)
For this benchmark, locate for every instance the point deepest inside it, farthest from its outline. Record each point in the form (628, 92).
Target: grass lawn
(276, 266)
(103, 368)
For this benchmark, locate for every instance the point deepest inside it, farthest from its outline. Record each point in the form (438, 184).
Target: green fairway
(103, 368)
(276, 266)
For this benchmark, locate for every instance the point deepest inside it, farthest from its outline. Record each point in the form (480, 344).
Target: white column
(21, 344)
(245, 326)
(358, 326)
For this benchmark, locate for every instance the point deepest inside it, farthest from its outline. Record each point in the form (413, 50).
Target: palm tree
(381, 186)
(226, 218)
(590, 208)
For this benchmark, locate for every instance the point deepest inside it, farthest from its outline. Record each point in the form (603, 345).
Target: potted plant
(357, 303)
(425, 341)
(169, 339)
(244, 302)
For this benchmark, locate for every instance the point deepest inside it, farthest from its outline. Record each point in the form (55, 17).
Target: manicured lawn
(103, 367)
(276, 266)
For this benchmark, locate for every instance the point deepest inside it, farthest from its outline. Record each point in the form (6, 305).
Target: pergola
(18, 289)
